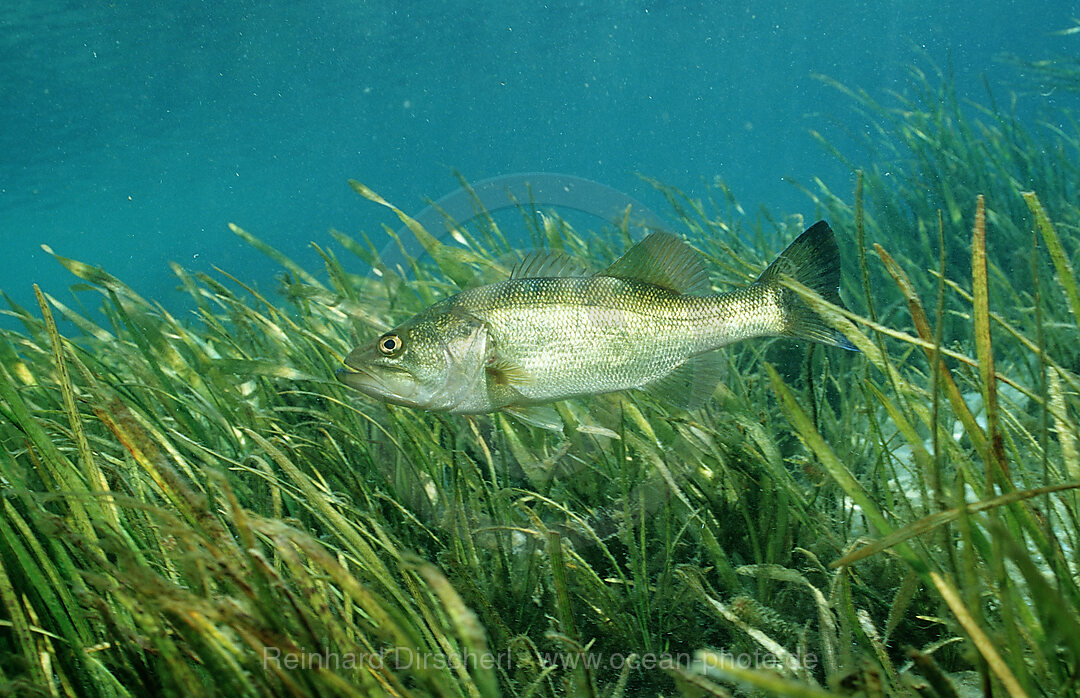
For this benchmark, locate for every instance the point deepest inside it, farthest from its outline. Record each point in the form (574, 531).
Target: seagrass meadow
(192, 505)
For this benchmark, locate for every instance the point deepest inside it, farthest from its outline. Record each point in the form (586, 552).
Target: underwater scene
(568, 349)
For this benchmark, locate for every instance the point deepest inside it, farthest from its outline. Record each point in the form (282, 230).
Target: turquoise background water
(133, 132)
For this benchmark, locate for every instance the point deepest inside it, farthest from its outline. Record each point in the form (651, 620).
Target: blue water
(133, 132)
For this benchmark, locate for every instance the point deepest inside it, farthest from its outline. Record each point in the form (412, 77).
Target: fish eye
(390, 344)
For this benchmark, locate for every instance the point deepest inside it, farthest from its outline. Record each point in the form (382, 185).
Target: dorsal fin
(663, 260)
(545, 263)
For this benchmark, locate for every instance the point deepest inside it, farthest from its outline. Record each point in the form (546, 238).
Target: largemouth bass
(554, 331)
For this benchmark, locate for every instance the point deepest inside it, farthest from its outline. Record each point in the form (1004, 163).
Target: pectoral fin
(506, 373)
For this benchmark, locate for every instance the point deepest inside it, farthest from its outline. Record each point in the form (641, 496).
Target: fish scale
(578, 336)
(647, 321)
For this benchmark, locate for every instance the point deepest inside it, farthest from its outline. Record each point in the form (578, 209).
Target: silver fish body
(550, 332)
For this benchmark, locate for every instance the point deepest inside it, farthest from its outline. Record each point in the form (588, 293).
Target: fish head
(435, 361)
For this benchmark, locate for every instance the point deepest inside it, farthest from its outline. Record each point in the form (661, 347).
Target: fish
(554, 330)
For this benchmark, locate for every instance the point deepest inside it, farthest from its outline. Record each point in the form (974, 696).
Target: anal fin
(541, 416)
(692, 383)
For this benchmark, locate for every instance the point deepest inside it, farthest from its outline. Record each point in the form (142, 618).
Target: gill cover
(434, 361)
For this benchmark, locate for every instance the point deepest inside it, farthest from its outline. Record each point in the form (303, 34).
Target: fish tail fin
(813, 260)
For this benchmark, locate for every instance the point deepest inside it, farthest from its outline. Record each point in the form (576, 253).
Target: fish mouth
(351, 378)
(383, 383)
